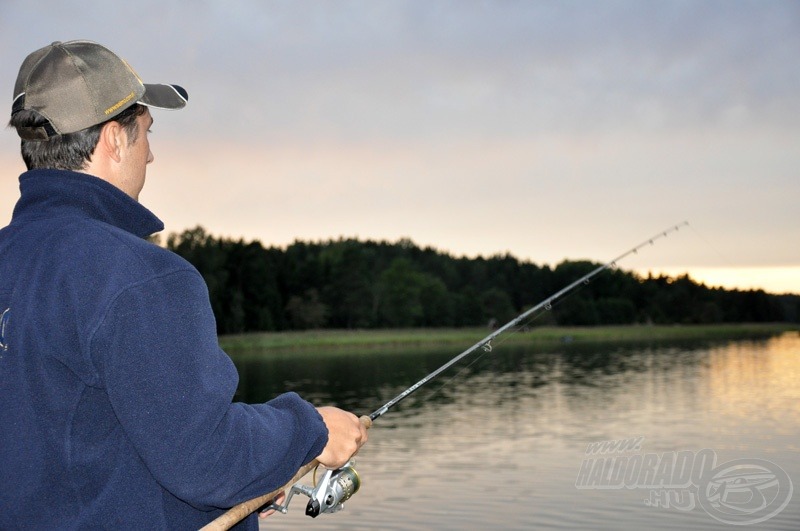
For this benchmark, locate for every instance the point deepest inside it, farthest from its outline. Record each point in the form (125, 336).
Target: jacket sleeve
(171, 387)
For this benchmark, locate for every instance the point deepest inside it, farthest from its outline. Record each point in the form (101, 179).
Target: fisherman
(116, 404)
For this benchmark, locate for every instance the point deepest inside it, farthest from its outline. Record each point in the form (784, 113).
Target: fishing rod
(486, 342)
(337, 486)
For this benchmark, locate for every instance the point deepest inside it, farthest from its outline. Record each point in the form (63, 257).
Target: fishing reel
(327, 496)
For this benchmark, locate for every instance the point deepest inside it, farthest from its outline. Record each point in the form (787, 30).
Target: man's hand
(346, 434)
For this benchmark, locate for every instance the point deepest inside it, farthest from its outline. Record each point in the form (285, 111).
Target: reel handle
(237, 513)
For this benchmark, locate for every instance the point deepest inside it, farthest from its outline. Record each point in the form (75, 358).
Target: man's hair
(70, 151)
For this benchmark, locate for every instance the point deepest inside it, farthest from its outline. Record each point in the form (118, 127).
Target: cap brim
(164, 96)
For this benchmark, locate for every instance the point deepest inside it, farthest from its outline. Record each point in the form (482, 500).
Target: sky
(548, 130)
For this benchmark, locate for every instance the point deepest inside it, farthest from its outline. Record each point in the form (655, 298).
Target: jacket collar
(59, 193)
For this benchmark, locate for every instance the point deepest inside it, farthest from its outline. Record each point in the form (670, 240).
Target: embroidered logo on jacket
(3, 324)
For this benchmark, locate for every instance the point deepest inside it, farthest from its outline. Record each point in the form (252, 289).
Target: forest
(352, 284)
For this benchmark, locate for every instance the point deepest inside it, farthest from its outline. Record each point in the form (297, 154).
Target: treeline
(347, 283)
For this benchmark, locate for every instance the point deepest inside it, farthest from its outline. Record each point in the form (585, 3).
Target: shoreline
(423, 338)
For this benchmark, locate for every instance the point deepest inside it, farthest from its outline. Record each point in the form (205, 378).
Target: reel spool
(327, 496)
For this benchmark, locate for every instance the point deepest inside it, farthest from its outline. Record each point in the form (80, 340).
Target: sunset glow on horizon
(779, 280)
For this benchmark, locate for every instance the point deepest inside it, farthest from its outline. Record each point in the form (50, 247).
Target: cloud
(547, 129)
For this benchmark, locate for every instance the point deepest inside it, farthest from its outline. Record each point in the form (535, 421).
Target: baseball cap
(78, 84)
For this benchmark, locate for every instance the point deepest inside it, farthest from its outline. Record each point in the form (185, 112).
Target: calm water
(503, 444)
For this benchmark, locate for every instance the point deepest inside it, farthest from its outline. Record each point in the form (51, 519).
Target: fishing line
(713, 248)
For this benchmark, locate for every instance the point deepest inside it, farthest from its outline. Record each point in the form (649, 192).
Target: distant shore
(361, 340)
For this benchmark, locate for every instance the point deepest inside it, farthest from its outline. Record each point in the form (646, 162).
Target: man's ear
(112, 140)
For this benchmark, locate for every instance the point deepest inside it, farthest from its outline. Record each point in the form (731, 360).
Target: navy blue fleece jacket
(115, 399)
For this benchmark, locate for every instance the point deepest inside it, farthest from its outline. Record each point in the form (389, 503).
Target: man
(115, 399)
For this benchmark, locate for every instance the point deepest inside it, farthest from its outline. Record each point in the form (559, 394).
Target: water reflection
(500, 445)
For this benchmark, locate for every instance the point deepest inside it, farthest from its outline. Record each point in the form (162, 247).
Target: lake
(683, 436)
